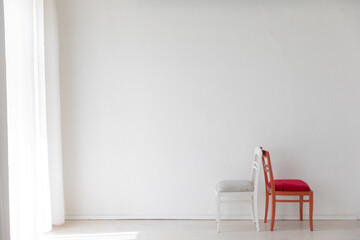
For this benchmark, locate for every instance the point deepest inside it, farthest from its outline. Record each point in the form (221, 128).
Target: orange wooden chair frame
(271, 191)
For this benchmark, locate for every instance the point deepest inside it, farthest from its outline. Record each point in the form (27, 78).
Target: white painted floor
(203, 230)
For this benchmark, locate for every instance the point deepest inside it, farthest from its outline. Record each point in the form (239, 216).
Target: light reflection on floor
(202, 230)
(98, 236)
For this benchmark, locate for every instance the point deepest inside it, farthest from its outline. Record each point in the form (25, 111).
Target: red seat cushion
(294, 185)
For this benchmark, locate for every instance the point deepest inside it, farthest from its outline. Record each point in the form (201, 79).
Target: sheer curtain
(4, 196)
(53, 112)
(35, 172)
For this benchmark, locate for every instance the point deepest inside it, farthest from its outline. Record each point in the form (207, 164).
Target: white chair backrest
(256, 168)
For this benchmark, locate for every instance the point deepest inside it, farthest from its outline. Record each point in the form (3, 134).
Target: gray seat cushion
(235, 186)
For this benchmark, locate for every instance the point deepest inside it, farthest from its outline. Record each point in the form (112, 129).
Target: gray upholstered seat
(235, 186)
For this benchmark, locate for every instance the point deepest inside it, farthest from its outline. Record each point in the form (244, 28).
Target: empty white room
(179, 119)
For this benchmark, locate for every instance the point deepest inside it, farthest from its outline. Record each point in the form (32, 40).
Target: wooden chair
(284, 187)
(241, 190)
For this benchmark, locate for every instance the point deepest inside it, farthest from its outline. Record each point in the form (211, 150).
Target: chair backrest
(268, 174)
(256, 168)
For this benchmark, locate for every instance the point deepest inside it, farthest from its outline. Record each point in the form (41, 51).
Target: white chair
(241, 190)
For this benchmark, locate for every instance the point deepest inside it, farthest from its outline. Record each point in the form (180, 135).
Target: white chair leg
(218, 217)
(256, 213)
(252, 208)
(217, 213)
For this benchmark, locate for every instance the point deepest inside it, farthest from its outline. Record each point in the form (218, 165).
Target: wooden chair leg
(266, 207)
(273, 209)
(301, 207)
(311, 205)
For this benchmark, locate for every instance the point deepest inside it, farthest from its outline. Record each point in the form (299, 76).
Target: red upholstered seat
(294, 185)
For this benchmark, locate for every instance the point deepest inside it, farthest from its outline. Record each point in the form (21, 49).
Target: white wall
(4, 189)
(162, 99)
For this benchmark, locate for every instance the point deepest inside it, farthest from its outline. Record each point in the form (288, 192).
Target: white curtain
(53, 112)
(33, 133)
(4, 196)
